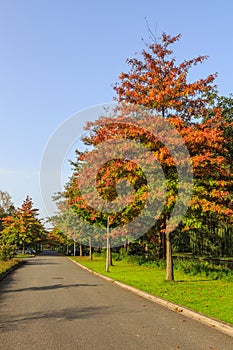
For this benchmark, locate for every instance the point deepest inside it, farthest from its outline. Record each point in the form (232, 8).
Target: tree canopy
(23, 228)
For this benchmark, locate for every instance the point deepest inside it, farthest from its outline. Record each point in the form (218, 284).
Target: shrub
(7, 251)
(206, 268)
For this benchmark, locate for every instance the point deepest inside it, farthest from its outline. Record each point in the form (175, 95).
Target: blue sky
(62, 56)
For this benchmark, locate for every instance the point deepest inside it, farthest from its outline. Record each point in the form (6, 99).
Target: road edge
(13, 268)
(218, 325)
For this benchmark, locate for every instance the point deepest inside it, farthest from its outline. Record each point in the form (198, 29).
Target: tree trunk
(74, 247)
(169, 262)
(126, 244)
(110, 257)
(90, 249)
(161, 246)
(107, 257)
(108, 248)
(146, 250)
(80, 249)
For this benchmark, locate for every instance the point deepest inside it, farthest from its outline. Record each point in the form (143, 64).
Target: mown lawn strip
(203, 294)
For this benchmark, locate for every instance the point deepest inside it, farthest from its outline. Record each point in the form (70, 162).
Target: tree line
(202, 117)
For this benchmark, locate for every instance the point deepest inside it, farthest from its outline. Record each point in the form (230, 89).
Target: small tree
(23, 227)
(6, 206)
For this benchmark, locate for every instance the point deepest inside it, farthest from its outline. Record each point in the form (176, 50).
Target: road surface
(51, 304)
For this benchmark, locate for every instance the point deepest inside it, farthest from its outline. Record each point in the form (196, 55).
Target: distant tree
(226, 106)
(6, 206)
(67, 222)
(23, 227)
(6, 203)
(56, 239)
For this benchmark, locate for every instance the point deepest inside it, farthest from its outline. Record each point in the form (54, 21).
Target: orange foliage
(157, 82)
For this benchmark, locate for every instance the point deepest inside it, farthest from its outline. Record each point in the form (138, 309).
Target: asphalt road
(52, 304)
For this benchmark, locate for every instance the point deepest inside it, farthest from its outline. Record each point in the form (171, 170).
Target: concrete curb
(220, 326)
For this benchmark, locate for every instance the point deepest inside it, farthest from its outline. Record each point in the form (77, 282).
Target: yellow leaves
(171, 200)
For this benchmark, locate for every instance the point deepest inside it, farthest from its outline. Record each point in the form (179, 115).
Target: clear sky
(58, 57)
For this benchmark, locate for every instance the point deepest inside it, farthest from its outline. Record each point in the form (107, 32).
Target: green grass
(201, 293)
(7, 265)
(21, 256)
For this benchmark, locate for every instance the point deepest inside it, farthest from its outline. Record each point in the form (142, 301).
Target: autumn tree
(68, 222)
(226, 230)
(158, 82)
(56, 239)
(212, 200)
(218, 226)
(210, 230)
(23, 227)
(226, 106)
(98, 222)
(208, 155)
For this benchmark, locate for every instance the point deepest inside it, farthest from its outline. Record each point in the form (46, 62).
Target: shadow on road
(49, 287)
(41, 262)
(8, 323)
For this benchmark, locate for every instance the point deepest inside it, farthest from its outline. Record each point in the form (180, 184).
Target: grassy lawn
(211, 297)
(22, 256)
(7, 265)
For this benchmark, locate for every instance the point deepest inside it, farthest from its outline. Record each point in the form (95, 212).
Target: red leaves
(157, 82)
